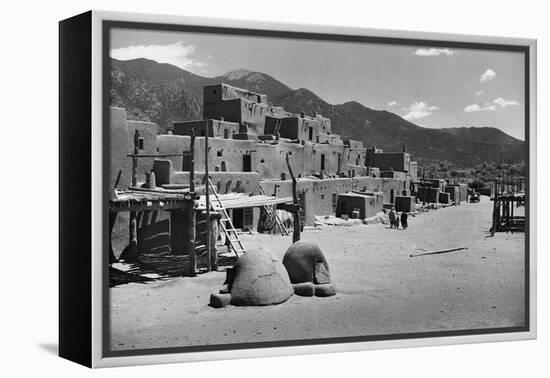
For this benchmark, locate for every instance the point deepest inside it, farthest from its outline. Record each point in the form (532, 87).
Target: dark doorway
(186, 163)
(392, 197)
(322, 162)
(247, 163)
(243, 218)
(311, 133)
(238, 218)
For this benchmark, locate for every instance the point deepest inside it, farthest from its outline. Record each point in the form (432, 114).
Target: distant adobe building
(392, 161)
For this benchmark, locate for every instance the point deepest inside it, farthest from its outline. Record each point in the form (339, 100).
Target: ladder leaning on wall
(231, 235)
(272, 214)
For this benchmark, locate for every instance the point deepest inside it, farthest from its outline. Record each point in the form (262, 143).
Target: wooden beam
(154, 205)
(137, 155)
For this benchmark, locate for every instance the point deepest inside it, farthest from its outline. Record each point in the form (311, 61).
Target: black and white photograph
(275, 189)
(271, 189)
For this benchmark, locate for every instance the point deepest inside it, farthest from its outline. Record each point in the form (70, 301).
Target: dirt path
(380, 288)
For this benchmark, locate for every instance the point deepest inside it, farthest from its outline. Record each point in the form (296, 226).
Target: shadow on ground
(151, 267)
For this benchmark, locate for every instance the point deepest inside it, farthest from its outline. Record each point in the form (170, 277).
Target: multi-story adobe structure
(247, 148)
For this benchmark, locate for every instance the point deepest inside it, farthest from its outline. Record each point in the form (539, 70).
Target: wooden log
(207, 197)
(297, 221)
(190, 240)
(132, 251)
(212, 242)
(495, 216)
(138, 155)
(439, 252)
(112, 220)
(191, 217)
(192, 165)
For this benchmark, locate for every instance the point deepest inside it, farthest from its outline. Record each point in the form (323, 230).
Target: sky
(434, 87)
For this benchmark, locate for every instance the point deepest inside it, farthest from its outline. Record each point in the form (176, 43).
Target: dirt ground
(380, 288)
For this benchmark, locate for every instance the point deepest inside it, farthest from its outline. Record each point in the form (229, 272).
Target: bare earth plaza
(240, 217)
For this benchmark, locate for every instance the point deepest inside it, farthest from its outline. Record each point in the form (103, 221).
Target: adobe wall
(242, 111)
(368, 205)
(148, 131)
(413, 170)
(266, 159)
(380, 184)
(216, 93)
(288, 127)
(121, 132)
(216, 128)
(398, 161)
(224, 154)
(173, 144)
(298, 127)
(272, 159)
(318, 195)
(120, 146)
(225, 182)
(351, 143)
(314, 155)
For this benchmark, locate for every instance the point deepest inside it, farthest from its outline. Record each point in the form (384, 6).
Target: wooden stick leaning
(439, 252)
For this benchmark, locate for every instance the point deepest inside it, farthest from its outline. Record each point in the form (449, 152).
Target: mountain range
(163, 93)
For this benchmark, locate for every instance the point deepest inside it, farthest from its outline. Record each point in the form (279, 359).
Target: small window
(220, 153)
(141, 142)
(262, 161)
(322, 196)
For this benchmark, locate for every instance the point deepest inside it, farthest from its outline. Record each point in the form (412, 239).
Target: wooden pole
(297, 221)
(132, 254)
(192, 165)
(207, 195)
(191, 218)
(135, 159)
(495, 214)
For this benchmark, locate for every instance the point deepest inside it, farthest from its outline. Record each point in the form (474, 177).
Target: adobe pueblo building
(244, 142)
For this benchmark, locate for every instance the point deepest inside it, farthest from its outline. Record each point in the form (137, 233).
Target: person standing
(404, 221)
(393, 217)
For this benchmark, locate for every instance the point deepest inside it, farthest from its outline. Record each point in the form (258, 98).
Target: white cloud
(392, 103)
(487, 75)
(419, 109)
(177, 54)
(504, 103)
(476, 108)
(433, 52)
(479, 93)
(490, 106)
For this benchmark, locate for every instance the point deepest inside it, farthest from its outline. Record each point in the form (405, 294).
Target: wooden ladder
(278, 124)
(271, 213)
(226, 224)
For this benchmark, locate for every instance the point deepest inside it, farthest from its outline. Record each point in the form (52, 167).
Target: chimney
(404, 148)
(302, 114)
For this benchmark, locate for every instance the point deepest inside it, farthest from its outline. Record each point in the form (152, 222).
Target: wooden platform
(243, 200)
(141, 199)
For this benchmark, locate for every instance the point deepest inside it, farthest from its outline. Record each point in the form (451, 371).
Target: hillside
(163, 93)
